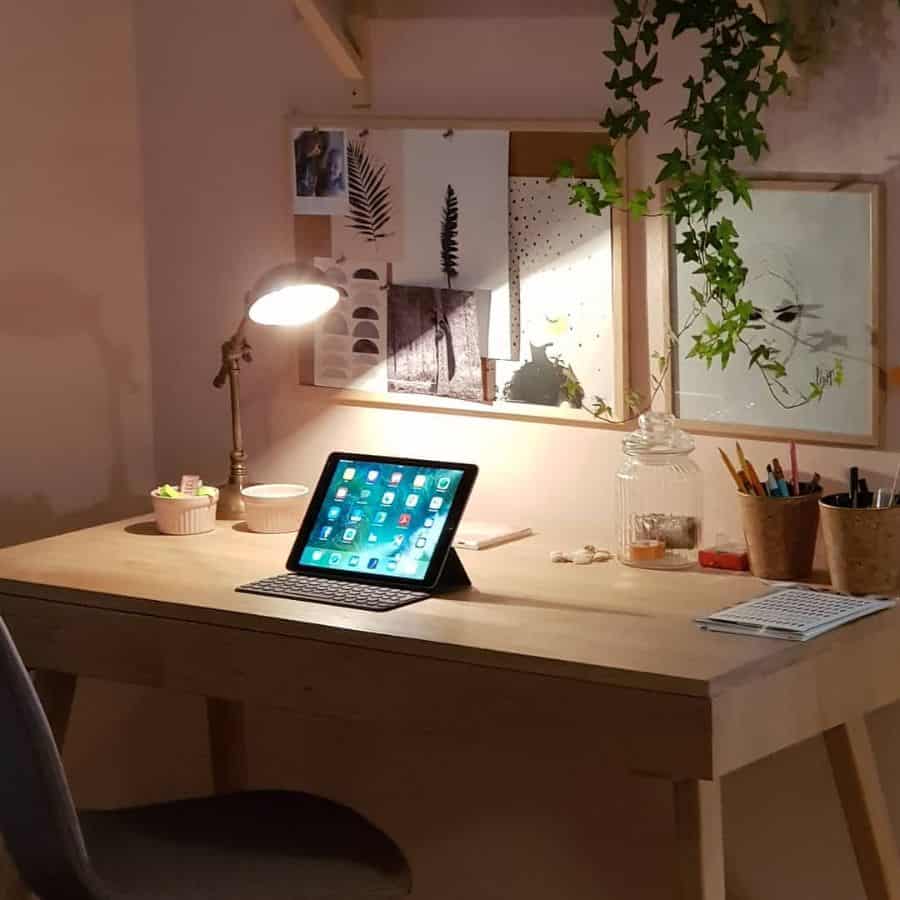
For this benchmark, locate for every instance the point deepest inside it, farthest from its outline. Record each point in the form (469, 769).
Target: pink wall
(74, 349)
(213, 113)
(216, 81)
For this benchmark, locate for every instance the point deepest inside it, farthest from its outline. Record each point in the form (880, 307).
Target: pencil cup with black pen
(780, 517)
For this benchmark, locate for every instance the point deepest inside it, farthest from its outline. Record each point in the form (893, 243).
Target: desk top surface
(605, 622)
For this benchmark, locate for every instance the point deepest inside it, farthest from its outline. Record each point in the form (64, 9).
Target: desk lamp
(290, 295)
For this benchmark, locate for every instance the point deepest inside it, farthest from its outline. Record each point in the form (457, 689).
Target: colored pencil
(731, 469)
(748, 471)
(754, 479)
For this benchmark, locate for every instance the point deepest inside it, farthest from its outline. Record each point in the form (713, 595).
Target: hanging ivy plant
(719, 125)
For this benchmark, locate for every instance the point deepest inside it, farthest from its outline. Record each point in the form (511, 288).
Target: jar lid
(657, 435)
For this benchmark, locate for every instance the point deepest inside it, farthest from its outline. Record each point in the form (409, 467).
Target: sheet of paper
(418, 168)
(350, 343)
(561, 271)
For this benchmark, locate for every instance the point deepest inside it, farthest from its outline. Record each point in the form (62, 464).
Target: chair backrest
(37, 816)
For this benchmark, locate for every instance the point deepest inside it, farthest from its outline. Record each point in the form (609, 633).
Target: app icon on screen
(443, 483)
(355, 514)
(419, 481)
(373, 562)
(398, 540)
(391, 565)
(436, 503)
(396, 477)
(412, 500)
(317, 555)
(373, 538)
(349, 534)
(333, 513)
(372, 476)
(349, 474)
(354, 560)
(404, 520)
(421, 542)
(334, 559)
(429, 522)
(325, 532)
(340, 493)
(387, 498)
(380, 517)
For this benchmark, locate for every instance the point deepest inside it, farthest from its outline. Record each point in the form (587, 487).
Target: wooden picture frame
(663, 282)
(536, 148)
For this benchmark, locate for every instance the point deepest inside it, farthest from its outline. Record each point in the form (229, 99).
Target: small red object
(728, 556)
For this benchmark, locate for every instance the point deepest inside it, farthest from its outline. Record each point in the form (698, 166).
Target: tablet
(382, 519)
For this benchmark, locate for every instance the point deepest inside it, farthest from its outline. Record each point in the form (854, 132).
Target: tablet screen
(380, 518)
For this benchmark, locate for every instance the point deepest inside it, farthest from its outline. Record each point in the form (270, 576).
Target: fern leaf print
(368, 194)
(450, 236)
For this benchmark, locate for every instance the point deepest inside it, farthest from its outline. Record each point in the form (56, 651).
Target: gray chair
(256, 845)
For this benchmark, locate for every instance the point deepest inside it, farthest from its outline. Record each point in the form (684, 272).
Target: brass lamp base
(231, 503)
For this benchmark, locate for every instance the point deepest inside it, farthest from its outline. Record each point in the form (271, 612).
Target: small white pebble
(602, 556)
(582, 557)
(558, 556)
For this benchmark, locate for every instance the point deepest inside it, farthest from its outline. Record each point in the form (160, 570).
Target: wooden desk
(605, 656)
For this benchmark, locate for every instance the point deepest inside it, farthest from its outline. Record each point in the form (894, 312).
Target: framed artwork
(813, 250)
(502, 299)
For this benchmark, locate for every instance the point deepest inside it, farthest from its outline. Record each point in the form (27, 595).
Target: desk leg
(56, 691)
(698, 840)
(227, 744)
(856, 776)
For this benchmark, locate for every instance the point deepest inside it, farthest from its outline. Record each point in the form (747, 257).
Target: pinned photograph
(320, 172)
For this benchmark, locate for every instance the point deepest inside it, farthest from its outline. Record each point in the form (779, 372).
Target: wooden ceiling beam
(331, 36)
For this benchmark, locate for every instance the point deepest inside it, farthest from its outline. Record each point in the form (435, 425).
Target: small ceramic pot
(274, 508)
(185, 515)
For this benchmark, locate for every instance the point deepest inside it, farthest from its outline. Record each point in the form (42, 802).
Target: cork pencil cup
(781, 534)
(863, 546)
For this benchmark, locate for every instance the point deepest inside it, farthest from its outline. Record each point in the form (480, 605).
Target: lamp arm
(234, 351)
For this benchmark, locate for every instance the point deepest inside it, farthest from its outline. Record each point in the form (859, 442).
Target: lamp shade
(291, 295)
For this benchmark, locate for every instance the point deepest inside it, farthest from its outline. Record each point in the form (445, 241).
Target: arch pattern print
(350, 347)
(366, 329)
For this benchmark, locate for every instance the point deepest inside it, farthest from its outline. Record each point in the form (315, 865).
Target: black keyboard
(336, 593)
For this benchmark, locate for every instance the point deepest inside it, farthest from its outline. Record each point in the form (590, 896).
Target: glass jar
(659, 496)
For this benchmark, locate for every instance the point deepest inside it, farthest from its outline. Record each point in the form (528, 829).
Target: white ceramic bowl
(274, 508)
(185, 515)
